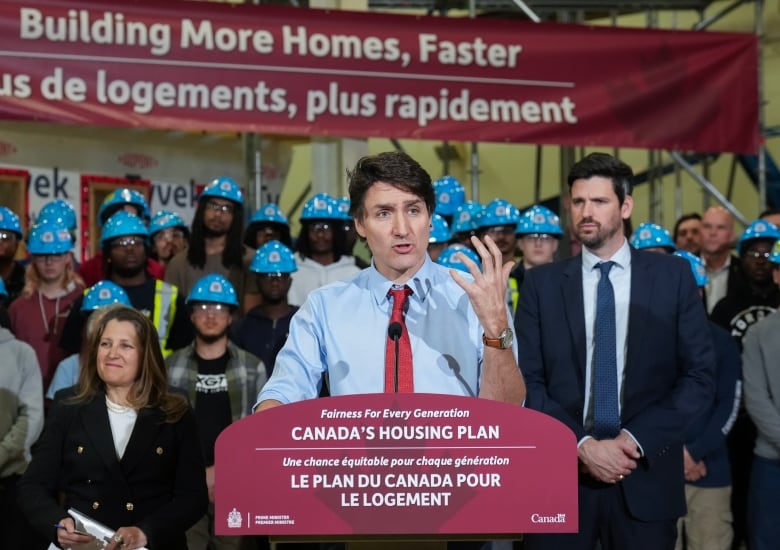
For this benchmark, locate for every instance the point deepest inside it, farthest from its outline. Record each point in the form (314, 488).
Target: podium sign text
(387, 464)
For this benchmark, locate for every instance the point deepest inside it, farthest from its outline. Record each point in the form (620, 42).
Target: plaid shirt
(245, 375)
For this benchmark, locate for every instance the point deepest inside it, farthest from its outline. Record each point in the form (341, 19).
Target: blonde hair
(150, 389)
(32, 280)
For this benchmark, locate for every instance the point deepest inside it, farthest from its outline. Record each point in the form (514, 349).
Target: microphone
(394, 332)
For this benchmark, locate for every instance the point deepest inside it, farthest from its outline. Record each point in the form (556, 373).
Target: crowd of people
(119, 372)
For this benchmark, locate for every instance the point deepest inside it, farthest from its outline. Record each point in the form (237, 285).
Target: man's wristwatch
(503, 341)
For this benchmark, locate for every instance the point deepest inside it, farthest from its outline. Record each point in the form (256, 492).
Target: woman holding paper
(118, 447)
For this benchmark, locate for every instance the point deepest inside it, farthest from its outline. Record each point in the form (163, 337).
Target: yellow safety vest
(165, 295)
(514, 294)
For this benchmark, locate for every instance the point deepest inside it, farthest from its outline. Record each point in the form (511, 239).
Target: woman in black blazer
(119, 447)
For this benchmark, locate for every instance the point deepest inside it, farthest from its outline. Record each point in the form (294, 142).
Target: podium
(388, 467)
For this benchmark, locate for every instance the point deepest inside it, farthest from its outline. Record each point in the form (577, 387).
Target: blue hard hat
(465, 218)
(498, 212)
(9, 221)
(449, 195)
(104, 293)
(120, 224)
(213, 288)
(651, 235)
(342, 208)
(449, 257)
(697, 266)
(273, 257)
(269, 213)
(440, 230)
(539, 219)
(165, 219)
(759, 229)
(58, 211)
(775, 256)
(223, 188)
(49, 237)
(3, 291)
(123, 196)
(320, 207)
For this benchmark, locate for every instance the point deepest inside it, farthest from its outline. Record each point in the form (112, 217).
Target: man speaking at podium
(404, 324)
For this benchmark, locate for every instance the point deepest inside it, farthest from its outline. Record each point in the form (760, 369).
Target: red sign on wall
(396, 464)
(280, 70)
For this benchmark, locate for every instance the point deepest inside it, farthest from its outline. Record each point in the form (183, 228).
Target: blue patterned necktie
(606, 417)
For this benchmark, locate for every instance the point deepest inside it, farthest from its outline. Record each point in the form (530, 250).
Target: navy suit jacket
(668, 376)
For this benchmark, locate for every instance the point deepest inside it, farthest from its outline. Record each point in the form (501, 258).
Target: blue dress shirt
(341, 329)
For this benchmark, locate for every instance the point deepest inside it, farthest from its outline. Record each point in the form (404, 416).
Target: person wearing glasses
(538, 234)
(322, 255)
(221, 381)
(740, 309)
(51, 288)
(499, 219)
(123, 199)
(124, 241)
(216, 244)
(11, 269)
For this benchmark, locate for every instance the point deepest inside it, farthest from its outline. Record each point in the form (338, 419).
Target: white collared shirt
(620, 277)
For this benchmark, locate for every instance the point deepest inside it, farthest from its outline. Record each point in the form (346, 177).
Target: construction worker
(499, 220)
(11, 270)
(216, 244)
(322, 254)
(539, 232)
(268, 223)
(263, 330)
(653, 238)
(743, 306)
(221, 381)
(125, 245)
(440, 236)
(464, 222)
(169, 234)
(51, 288)
(96, 269)
(450, 194)
(450, 257)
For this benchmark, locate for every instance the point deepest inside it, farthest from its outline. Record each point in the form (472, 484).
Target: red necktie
(405, 378)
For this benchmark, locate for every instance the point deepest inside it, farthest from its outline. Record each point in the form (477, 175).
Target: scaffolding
(760, 168)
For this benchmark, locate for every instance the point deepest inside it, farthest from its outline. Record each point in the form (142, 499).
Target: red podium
(396, 465)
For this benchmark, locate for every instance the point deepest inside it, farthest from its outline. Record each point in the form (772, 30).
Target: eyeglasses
(756, 255)
(220, 207)
(274, 276)
(537, 237)
(44, 258)
(320, 227)
(6, 236)
(210, 308)
(127, 242)
(167, 234)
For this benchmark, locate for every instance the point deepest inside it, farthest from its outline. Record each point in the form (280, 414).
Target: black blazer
(159, 485)
(669, 368)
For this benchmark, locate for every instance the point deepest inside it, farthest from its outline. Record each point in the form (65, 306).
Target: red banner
(396, 464)
(280, 70)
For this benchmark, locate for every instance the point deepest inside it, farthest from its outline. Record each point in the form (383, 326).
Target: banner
(281, 70)
(396, 464)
